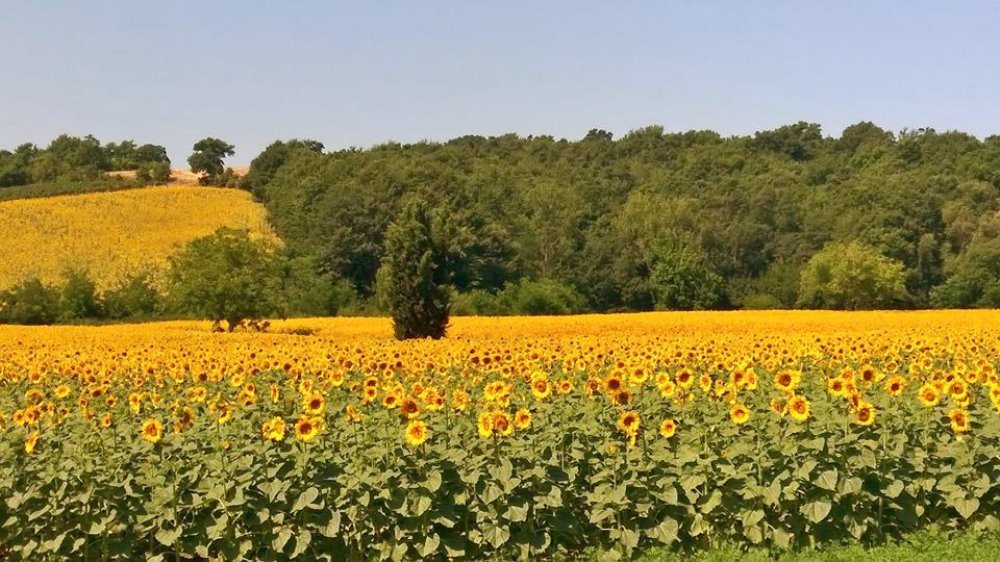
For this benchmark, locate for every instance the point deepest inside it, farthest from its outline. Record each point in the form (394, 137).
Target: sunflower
(739, 413)
(225, 414)
(409, 408)
(352, 414)
(522, 419)
(798, 408)
(837, 387)
(106, 421)
(787, 380)
(667, 389)
(564, 386)
(502, 424)
(779, 406)
(668, 428)
(485, 424)
(62, 391)
(152, 430)
(628, 422)
(685, 378)
(274, 430)
(613, 384)
(895, 385)
(864, 414)
(31, 442)
(959, 420)
(540, 389)
(416, 433)
(306, 429)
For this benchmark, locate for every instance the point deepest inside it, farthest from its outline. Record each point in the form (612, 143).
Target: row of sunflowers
(516, 438)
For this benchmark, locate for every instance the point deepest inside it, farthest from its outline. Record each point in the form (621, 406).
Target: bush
(30, 302)
(134, 297)
(78, 297)
(544, 296)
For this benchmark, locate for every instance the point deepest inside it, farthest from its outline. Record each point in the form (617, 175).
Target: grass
(924, 546)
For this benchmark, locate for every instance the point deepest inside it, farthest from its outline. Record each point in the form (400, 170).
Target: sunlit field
(111, 234)
(513, 437)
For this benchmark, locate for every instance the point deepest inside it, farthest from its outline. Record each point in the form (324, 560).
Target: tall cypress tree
(413, 279)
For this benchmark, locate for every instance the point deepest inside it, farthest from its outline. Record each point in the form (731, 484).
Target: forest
(783, 218)
(655, 220)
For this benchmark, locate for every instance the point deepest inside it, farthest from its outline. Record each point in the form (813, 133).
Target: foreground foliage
(516, 438)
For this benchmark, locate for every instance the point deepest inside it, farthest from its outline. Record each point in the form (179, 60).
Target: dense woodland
(653, 220)
(663, 220)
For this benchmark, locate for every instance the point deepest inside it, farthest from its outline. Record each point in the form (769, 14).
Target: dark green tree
(207, 159)
(412, 281)
(227, 276)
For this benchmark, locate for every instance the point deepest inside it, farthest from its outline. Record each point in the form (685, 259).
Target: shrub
(852, 276)
(29, 302)
(133, 297)
(78, 297)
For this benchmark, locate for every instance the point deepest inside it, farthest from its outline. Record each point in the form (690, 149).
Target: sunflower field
(515, 438)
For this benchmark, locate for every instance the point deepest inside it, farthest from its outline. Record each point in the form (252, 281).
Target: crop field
(110, 234)
(514, 438)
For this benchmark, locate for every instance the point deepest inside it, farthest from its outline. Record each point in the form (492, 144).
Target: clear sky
(363, 72)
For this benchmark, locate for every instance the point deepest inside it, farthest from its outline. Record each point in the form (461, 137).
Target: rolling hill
(112, 233)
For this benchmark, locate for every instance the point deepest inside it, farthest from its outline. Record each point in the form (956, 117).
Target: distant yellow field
(110, 234)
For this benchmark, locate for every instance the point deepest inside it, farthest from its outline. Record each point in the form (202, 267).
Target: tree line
(782, 218)
(80, 159)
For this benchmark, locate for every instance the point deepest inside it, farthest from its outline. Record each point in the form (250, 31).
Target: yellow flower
(540, 389)
(306, 429)
(668, 428)
(274, 430)
(409, 408)
(787, 380)
(895, 385)
(929, 395)
(31, 442)
(628, 422)
(522, 419)
(314, 404)
(416, 433)
(779, 406)
(152, 430)
(739, 413)
(62, 391)
(959, 420)
(485, 424)
(798, 408)
(865, 414)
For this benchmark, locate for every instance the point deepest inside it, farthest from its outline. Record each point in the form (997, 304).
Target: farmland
(517, 437)
(112, 234)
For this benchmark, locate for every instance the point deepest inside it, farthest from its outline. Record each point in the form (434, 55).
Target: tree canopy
(593, 215)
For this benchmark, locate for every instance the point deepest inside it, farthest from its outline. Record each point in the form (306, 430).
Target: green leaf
(430, 546)
(333, 527)
(827, 479)
(665, 532)
(816, 511)
(168, 537)
(306, 498)
(893, 490)
(433, 481)
(302, 540)
(281, 539)
(966, 507)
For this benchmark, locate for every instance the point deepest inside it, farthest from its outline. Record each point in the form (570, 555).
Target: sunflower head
(739, 414)
(152, 430)
(416, 433)
(668, 428)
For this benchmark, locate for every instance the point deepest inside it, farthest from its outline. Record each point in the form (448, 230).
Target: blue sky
(360, 73)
